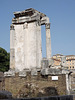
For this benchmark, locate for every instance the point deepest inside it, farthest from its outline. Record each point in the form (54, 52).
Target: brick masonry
(2, 83)
(35, 86)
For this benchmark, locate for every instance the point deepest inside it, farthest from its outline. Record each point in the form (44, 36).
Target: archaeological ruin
(25, 39)
(30, 75)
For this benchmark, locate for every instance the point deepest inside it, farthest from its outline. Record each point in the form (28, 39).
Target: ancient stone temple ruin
(30, 75)
(25, 39)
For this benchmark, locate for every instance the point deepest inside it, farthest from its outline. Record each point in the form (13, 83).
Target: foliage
(4, 60)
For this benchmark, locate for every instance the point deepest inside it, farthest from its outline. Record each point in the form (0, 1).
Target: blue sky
(62, 19)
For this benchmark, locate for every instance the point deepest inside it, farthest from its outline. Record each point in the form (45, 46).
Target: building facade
(70, 61)
(57, 59)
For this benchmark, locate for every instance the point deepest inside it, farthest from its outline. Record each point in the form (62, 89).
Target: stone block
(5, 95)
(51, 62)
(44, 63)
(52, 71)
(47, 25)
(10, 73)
(34, 72)
(22, 73)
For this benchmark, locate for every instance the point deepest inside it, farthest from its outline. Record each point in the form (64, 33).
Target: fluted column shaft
(48, 41)
(12, 48)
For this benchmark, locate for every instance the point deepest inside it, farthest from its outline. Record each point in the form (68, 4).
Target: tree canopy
(4, 60)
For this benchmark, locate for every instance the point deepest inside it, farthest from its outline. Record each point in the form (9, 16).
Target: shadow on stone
(5, 95)
(64, 97)
(48, 91)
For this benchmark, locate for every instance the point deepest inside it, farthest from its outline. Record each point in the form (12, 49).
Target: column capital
(12, 27)
(47, 25)
(25, 25)
(38, 22)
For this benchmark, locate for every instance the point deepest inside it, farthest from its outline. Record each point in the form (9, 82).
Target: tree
(4, 60)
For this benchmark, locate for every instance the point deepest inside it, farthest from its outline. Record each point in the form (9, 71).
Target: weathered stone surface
(2, 81)
(25, 39)
(5, 95)
(27, 15)
(1, 75)
(44, 63)
(34, 72)
(30, 75)
(48, 41)
(52, 71)
(22, 73)
(10, 73)
(12, 46)
(51, 62)
(36, 85)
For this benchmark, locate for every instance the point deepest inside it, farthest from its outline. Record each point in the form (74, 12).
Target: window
(73, 63)
(73, 66)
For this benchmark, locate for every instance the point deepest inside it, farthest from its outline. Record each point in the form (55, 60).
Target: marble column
(30, 45)
(67, 84)
(48, 41)
(38, 45)
(12, 48)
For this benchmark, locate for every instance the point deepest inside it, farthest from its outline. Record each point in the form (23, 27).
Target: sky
(62, 18)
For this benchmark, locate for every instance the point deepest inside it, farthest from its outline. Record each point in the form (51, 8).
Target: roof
(28, 16)
(70, 55)
(58, 55)
(28, 12)
(56, 59)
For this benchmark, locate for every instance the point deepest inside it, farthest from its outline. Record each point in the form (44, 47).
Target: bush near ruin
(4, 60)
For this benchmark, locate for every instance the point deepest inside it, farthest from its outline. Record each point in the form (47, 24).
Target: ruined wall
(2, 81)
(25, 39)
(72, 91)
(35, 86)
